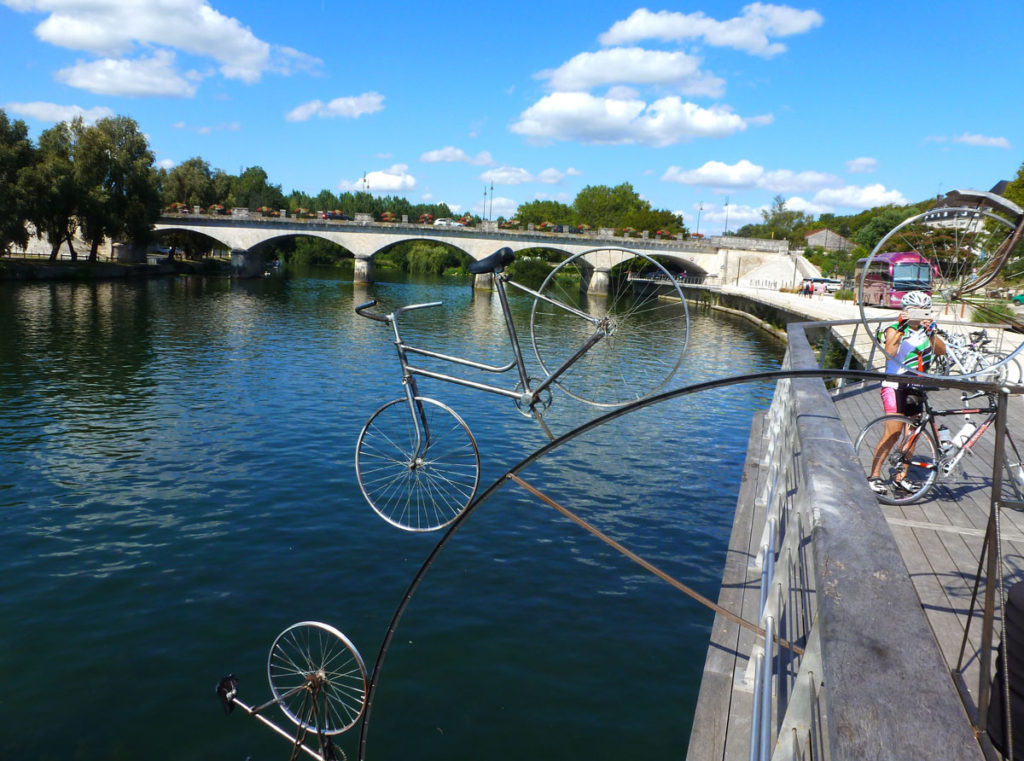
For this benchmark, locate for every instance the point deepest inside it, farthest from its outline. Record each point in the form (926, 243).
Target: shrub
(529, 271)
(844, 294)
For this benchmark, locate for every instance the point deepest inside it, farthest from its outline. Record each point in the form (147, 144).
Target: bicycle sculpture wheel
(318, 680)
(907, 472)
(418, 479)
(959, 250)
(317, 677)
(646, 309)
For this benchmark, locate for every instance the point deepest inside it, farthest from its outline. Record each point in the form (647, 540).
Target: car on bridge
(445, 222)
(334, 215)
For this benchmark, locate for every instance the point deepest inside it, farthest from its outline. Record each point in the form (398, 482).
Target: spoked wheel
(642, 319)
(1014, 473)
(417, 490)
(961, 251)
(317, 677)
(906, 473)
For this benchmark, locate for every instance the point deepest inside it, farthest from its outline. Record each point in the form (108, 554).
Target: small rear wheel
(638, 308)
(317, 677)
(899, 458)
(424, 489)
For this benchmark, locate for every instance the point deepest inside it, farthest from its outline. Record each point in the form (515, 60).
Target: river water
(177, 487)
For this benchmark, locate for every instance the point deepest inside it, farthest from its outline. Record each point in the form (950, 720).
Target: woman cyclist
(910, 344)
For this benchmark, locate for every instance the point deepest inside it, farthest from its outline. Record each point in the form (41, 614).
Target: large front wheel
(899, 458)
(417, 482)
(634, 307)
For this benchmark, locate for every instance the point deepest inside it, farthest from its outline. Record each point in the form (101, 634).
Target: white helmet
(916, 300)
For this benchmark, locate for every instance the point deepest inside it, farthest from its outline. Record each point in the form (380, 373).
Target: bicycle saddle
(499, 260)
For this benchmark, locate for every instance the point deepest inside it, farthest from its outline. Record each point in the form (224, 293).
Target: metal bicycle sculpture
(962, 244)
(417, 462)
(317, 679)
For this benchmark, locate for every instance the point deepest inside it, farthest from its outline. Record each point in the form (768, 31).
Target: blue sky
(706, 108)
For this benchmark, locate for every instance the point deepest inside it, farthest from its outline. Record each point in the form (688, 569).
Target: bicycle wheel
(906, 472)
(955, 252)
(417, 491)
(317, 677)
(643, 320)
(1014, 474)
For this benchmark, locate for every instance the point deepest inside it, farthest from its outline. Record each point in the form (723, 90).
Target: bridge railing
(866, 679)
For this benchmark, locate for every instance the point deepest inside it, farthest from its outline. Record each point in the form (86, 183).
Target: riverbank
(27, 270)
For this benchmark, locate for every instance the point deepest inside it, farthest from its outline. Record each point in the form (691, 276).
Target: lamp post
(726, 230)
(490, 212)
(700, 208)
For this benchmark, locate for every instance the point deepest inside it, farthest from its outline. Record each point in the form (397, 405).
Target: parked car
(1018, 299)
(443, 222)
(334, 215)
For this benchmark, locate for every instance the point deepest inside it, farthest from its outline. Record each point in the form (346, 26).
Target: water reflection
(177, 485)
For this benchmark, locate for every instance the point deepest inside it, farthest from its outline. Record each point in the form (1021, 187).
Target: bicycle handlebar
(361, 311)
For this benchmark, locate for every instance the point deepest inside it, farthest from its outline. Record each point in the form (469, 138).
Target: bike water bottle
(945, 439)
(964, 433)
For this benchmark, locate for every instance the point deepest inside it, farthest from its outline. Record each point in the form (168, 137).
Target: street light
(726, 231)
(699, 210)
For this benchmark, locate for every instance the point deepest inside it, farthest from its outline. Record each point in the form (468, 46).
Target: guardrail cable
(688, 591)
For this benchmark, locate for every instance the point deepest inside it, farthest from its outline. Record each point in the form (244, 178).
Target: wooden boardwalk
(939, 539)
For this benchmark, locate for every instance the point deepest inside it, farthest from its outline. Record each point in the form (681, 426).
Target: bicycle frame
(528, 396)
(928, 418)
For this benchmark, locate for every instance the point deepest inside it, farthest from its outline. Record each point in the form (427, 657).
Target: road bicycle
(922, 451)
(971, 355)
(966, 245)
(417, 462)
(317, 679)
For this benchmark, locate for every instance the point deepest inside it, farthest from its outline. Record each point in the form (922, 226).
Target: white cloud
(982, 140)
(550, 176)
(53, 112)
(507, 175)
(115, 28)
(716, 174)
(858, 197)
(788, 181)
(394, 178)
(152, 76)
(796, 203)
(746, 174)
(862, 165)
(581, 116)
(736, 215)
(573, 172)
(349, 107)
(496, 207)
(635, 66)
(751, 32)
(165, 163)
(451, 154)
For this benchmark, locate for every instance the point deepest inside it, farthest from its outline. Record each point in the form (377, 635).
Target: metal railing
(864, 677)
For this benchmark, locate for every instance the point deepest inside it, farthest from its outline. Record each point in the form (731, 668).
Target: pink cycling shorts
(889, 400)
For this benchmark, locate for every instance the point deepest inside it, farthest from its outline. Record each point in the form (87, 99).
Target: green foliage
(844, 294)
(529, 270)
(16, 155)
(993, 311)
(307, 251)
(423, 257)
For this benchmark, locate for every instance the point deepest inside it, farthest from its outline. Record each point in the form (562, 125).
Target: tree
(16, 155)
(252, 190)
(1015, 189)
(192, 184)
(130, 185)
(536, 212)
(91, 161)
(50, 186)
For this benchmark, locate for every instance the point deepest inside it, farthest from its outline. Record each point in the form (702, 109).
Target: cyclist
(910, 343)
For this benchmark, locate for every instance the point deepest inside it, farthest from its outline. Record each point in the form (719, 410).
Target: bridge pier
(245, 263)
(600, 282)
(484, 282)
(363, 272)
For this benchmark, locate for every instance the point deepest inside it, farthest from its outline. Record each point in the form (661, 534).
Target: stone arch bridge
(716, 260)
